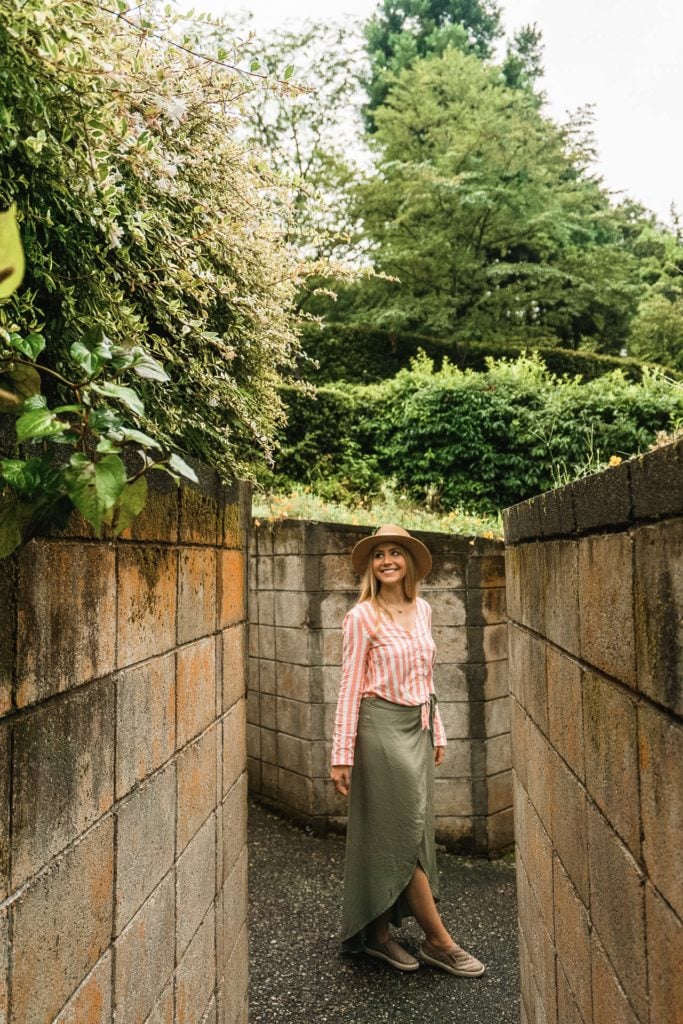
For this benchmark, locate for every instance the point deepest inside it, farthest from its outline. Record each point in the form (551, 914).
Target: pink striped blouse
(383, 660)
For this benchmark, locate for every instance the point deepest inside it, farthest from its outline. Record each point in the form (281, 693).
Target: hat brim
(364, 548)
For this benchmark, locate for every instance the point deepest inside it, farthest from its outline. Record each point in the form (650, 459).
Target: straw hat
(386, 534)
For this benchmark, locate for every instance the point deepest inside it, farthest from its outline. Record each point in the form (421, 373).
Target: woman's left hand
(439, 755)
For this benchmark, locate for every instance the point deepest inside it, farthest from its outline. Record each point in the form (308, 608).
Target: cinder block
(565, 709)
(295, 791)
(268, 677)
(572, 938)
(519, 726)
(450, 608)
(269, 780)
(538, 755)
(327, 802)
(567, 1010)
(487, 643)
(266, 642)
(452, 797)
(612, 756)
(199, 517)
(195, 689)
(253, 709)
(234, 666)
(661, 794)
(289, 572)
(195, 884)
(607, 629)
(500, 830)
(665, 958)
(568, 809)
(499, 791)
(158, 520)
(537, 853)
(146, 602)
(617, 909)
(292, 608)
(145, 842)
(254, 775)
(561, 563)
(528, 604)
(497, 716)
(231, 912)
(332, 646)
(269, 746)
(657, 482)
(610, 1004)
(603, 499)
(91, 1002)
(264, 572)
(658, 568)
(486, 607)
(455, 716)
(232, 993)
(486, 571)
(449, 568)
(196, 771)
(5, 785)
(292, 645)
(513, 583)
(294, 681)
(289, 538)
(451, 643)
(144, 956)
(542, 956)
(265, 608)
(232, 822)
(294, 717)
(457, 760)
(334, 607)
(163, 1008)
(456, 833)
(66, 617)
(145, 713)
(231, 588)
(234, 744)
(517, 639)
(498, 753)
(268, 711)
(253, 675)
(196, 593)
(63, 774)
(235, 518)
(528, 670)
(294, 754)
(496, 680)
(451, 682)
(337, 573)
(74, 899)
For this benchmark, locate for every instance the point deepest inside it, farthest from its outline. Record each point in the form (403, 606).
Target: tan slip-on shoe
(393, 954)
(455, 961)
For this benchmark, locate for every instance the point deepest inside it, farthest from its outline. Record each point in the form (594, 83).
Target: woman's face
(388, 563)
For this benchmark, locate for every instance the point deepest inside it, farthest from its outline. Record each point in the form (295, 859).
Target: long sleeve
(356, 644)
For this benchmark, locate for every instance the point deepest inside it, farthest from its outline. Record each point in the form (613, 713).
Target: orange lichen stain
(88, 1006)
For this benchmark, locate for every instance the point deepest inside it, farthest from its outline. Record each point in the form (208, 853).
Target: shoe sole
(451, 970)
(394, 963)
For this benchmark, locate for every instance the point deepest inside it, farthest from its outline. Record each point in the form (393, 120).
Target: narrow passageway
(296, 971)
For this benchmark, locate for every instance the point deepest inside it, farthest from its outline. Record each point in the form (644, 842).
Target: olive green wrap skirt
(391, 816)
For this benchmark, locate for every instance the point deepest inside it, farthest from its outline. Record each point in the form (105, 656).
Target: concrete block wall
(123, 769)
(595, 599)
(301, 585)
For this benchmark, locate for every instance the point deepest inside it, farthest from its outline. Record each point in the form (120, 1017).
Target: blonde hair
(370, 586)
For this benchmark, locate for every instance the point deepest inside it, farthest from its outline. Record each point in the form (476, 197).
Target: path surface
(296, 971)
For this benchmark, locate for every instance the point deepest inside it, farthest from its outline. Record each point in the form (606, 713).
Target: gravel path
(298, 975)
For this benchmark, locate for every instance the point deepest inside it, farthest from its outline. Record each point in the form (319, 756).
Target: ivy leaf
(88, 360)
(289, 71)
(94, 487)
(31, 346)
(11, 253)
(126, 396)
(104, 420)
(179, 466)
(38, 423)
(35, 402)
(146, 366)
(130, 504)
(23, 383)
(138, 437)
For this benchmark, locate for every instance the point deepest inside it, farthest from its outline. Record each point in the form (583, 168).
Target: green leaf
(39, 423)
(130, 504)
(104, 420)
(35, 402)
(94, 487)
(23, 385)
(10, 528)
(105, 445)
(126, 396)
(31, 346)
(11, 253)
(145, 366)
(179, 466)
(82, 355)
(138, 437)
(289, 71)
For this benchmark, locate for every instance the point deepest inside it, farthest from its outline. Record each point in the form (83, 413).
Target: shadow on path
(296, 971)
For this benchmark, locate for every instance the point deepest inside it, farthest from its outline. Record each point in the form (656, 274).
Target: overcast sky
(623, 56)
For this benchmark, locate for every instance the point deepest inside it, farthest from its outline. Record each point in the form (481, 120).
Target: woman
(389, 729)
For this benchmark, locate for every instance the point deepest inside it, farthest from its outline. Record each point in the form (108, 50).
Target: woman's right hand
(341, 777)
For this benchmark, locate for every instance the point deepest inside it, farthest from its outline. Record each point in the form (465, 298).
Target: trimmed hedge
(468, 440)
(365, 355)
